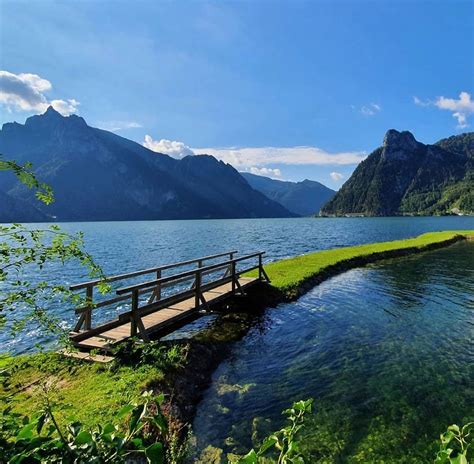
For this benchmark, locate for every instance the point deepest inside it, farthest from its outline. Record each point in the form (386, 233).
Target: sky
(287, 89)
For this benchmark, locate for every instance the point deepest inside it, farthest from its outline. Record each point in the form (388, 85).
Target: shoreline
(291, 278)
(187, 394)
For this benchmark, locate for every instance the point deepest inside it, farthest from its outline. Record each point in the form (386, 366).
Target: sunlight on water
(121, 247)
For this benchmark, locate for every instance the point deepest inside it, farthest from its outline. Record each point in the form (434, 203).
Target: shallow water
(127, 246)
(386, 351)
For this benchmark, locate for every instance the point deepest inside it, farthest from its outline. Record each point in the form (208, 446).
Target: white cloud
(269, 172)
(421, 102)
(168, 147)
(25, 92)
(461, 108)
(65, 107)
(247, 157)
(336, 176)
(370, 110)
(115, 126)
(258, 159)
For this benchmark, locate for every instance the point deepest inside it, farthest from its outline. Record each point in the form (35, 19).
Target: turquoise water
(386, 351)
(127, 246)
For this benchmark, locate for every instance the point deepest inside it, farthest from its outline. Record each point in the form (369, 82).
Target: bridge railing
(85, 312)
(196, 290)
(193, 283)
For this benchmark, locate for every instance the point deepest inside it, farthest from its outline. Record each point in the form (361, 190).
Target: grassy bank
(92, 393)
(292, 277)
(89, 392)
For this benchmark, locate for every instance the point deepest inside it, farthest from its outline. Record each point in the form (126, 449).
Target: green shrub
(41, 440)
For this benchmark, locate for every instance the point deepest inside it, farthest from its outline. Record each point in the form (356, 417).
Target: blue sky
(235, 78)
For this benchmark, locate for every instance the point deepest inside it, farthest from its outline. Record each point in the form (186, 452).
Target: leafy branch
(284, 442)
(455, 445)
(25, 251)
(25, 175)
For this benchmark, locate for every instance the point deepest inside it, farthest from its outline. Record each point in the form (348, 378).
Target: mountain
(97, 175)
(303, 198)
(405, 176)
(16, 210)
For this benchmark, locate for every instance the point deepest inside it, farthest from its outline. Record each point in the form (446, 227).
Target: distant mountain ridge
(303, 198)
(405, 176)
(98, 175)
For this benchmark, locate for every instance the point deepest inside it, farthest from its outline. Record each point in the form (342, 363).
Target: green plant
(455, 445)
(284, 442)
(42, 440)
(25, 175)
(161, 355)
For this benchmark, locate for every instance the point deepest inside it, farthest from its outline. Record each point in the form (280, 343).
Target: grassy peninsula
(291, 277)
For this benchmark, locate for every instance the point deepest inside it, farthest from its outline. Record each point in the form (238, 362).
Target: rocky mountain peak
(52, 117)
(398, 145)
(51, 112)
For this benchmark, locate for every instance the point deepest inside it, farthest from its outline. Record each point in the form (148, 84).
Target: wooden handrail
(189, 274)
(144, 291)
(129, 275)
(131, 293)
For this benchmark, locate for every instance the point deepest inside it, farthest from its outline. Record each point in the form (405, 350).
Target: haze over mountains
(97, 175)
(405, 176)
(303, 198)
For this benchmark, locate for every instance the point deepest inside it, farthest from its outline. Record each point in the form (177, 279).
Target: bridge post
(158, 288)
(197, 290)
(260, 266)
(134, 315)
(233, 277)
(88, 313)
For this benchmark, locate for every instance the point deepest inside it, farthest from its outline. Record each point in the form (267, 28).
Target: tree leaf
(250, 458)
(83, 438)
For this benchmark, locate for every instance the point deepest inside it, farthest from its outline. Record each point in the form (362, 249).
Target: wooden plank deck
(160, 320)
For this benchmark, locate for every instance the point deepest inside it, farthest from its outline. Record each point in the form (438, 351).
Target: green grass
(89, 392)
(289, 275)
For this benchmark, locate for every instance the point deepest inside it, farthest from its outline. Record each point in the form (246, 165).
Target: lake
(127, 246)
(386, 351)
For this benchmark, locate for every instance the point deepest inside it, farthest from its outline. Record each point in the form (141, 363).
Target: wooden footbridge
(165, 301)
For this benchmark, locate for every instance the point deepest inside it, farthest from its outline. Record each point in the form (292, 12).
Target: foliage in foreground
(22, 249)
(284, 442)
(139, 430)
(456, 445)
(42, 440)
